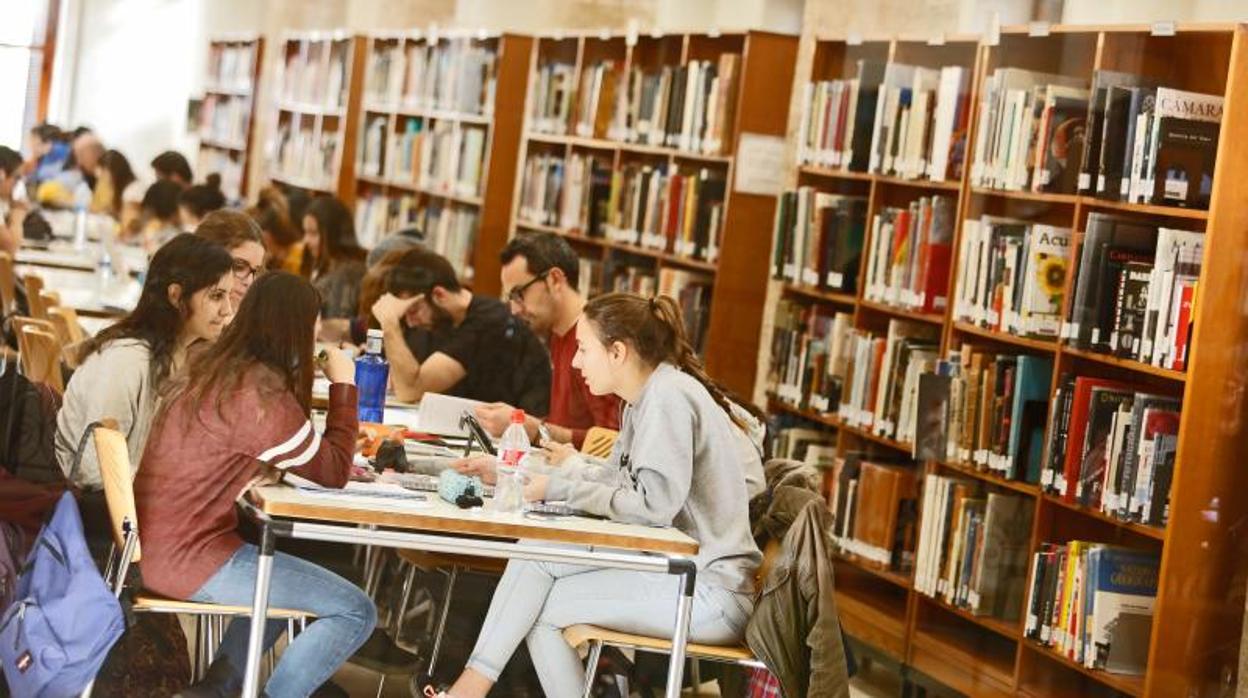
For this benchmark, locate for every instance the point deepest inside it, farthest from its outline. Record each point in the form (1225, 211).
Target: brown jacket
(795, 629)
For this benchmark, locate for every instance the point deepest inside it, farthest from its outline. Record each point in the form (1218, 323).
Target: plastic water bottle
(372, 372)
(82, 199)
(512, 449)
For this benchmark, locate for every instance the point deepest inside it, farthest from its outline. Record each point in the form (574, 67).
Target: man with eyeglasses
(540, 276)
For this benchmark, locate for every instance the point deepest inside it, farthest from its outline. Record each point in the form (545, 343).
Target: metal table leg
(680, 634)
(259, 611)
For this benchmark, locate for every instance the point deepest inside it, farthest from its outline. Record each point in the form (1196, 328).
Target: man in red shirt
(540, 276)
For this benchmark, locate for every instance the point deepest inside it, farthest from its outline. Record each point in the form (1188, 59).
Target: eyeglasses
(517, 294)
(244, 271)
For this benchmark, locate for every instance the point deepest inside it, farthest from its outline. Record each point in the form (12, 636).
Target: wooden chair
(8, 284)
(68, 332)
(34, 296)
(41, 357)
(49, 299)
(115, 472)
(599, 441)
(597, 638)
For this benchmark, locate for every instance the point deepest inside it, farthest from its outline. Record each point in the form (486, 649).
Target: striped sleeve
(290, 442)
(295, 451)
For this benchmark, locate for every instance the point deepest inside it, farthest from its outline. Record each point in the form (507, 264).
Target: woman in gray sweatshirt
(677, 462)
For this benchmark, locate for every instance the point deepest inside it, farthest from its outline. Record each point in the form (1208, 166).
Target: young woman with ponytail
(677, 462)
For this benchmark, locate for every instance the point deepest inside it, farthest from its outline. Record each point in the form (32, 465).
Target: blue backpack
(64, 619)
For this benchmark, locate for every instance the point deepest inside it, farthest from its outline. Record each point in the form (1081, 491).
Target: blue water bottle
(372, 372)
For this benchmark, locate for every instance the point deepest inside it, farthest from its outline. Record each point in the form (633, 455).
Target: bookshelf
(315, 124)
(228, 112)
(597, 120)
(1198, 612)
(440, 124)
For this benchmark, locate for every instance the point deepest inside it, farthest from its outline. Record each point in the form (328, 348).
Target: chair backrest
(41, 357)
(115, 472)
(34, 296)
(49, 299)
(67, 316)
(8, 284)
(598, 442)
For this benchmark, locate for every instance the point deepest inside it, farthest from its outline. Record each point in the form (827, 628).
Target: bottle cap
(376, 334)
(517, 416)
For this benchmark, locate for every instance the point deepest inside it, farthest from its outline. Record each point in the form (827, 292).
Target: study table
(84, 292)
(437, 526)
(63, 255)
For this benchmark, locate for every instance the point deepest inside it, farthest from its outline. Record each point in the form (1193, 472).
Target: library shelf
(940, 184)
(831, 420)
(1194, 214)
(1157, 533)
(873, 616)
(1038, 345)
(417, 189)
(904, 313)
(970, 470)
(1125, 683)
(1042, 197)
(231, 157)
(310, 108)
(625, 146)
(228, 90)
(1004, 628)
(206, 140)
(897, 579)
(1198, 610)
(303, 183)
(845, 299)
(1125, 364)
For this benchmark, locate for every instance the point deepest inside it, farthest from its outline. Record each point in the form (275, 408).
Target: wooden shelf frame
(1199, 612)
(738, 296)
(240, 152)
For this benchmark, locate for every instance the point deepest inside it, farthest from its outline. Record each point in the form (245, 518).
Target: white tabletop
(83, 291)
(62, 255)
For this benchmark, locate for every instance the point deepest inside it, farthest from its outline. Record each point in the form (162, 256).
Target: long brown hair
(655, 329)
(337, 228)
(229, 229)
(276, 327)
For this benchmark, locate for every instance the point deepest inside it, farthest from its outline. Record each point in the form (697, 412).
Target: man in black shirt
(439, 337)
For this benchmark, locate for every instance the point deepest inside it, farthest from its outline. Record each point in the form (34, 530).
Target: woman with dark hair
(282, 240)
(332, 257)
(185, 299)
(240, 414)
(198, 201)
(240, 236)
(173, 166)
(118, 192)
(160, 214)
(676, 463)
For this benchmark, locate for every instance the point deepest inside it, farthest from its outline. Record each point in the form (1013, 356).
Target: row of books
(449, 229)
(652, 207)
(315, 73)
(1012, 276)
(881, 382)
(909, 255)
(1094, 603)
(230, 66)
(225, 118)
(589, 277)
(456, 75)
(809, 355)
(692, 291)
(972, 549)
(890, 119)
(1125, 139)
(1134, 291)
(1111, 447)
(687, 107)
(307, 155)
(228, 164)
(818, 239)
(441, 156)
(875, 510)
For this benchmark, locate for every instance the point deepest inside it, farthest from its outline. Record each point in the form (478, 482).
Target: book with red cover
(1079, 427)
(1183, 327)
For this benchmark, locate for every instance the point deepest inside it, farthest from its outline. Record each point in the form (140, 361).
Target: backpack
(12, 551)
(28, 428)
(57, 633)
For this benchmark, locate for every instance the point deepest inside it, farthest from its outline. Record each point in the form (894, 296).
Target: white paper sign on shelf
(760, 164)
(1166, 28)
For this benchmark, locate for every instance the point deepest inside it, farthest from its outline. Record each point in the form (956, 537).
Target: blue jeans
(345, 617)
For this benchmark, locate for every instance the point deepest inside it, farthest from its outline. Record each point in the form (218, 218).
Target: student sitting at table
(240, 236)
(332, 257)
(11, 212)
(159, 219)
(118, 193)
(198, 201)
(540, 276)
(240, 414)
(676, 463)
(185, 299)
(49, 152)
(173, 166)
(283, 240)
(442, 338)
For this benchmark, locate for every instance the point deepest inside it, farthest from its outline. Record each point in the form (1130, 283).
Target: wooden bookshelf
(738, 276)
(228, 113)
(312, 144)
(1199, 608)
(402, 100)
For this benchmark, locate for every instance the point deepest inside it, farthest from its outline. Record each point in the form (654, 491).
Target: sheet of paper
(439, 414)
(760, 165)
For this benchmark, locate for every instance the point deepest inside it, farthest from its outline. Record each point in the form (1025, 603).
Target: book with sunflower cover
(1048, 255)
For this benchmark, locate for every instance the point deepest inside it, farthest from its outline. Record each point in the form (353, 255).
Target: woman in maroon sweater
(237, 415)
